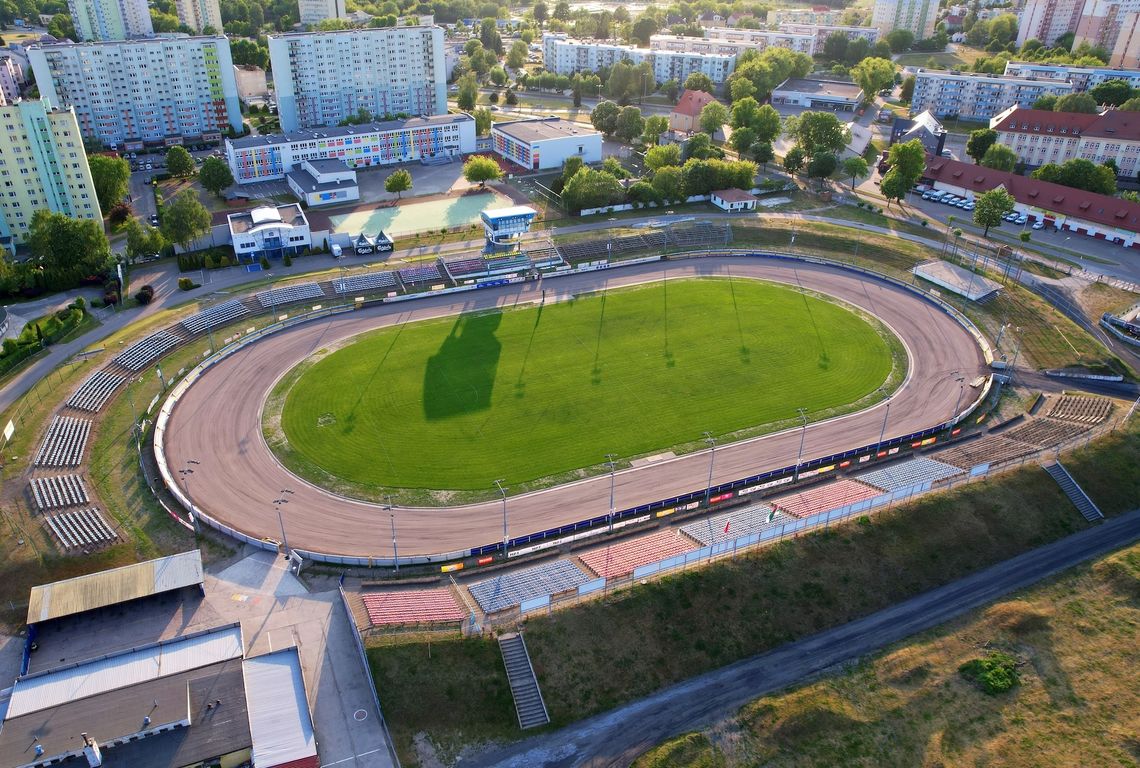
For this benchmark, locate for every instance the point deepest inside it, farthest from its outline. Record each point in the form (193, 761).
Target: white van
(336, 251)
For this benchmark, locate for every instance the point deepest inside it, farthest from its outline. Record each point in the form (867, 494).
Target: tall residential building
(917, 16)
(563, 55)
(321, 78)
(199, 14)
(312, 11)
(803, 42)
(42, 166)
(1082, 78)
(973, 96)
(823, 31)
(814, 15)
(1047, 20)
(131, 92)
(1126, 51)
(110, 19)
(671, 58)
(11, 78)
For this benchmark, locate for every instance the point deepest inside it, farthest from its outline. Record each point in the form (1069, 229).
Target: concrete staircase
(524, 686)
(1081, 499)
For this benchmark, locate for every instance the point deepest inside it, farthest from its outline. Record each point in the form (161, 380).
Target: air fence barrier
(551, 537)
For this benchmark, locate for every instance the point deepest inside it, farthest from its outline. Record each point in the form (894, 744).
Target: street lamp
(883, 431)
(395, 551)
(803, 434)
(499, 485)
(712, 457)
(610, 459)
(186, 479)
(958, 401)
(281, 520)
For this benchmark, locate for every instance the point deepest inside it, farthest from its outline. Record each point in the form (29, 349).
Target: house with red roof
(1042, 136)
(685, 117)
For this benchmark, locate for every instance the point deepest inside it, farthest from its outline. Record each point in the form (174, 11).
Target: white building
(1126, 49)
(321, 78)
(199, 14)
(43, 166)
(1082, 78)
(673, 65)
(545, 143)
(263, 158)
(734, 200)
(1040, 136)
(1047, 20)
(917, 16)
(110, 19)
(323, 182)
(801, 42)
(805, 92)
(312, 11)
(269, 231)
(674, 58)
(251, 82)
(973, 96)
(814, 15)
(154, 91)
(820, 32)
(11, 79)
(564, 55)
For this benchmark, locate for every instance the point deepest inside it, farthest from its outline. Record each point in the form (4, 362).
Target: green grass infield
(540, 392)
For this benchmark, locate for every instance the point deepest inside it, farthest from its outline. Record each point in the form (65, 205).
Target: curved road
(218, 420)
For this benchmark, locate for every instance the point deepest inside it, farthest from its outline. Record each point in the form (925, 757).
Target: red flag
(726, 526)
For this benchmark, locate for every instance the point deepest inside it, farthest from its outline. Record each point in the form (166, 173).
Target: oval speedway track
(217, 422)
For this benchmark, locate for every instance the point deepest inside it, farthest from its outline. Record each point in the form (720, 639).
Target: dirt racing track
(217, 420)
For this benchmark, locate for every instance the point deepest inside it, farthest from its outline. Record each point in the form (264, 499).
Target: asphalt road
(218, 420)
(617, 737)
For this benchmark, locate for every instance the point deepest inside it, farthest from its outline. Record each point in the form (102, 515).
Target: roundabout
(217, 422)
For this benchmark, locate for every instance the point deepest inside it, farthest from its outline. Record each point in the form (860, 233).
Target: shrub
(97, 303)
(994, 674)
(79, 303)
(287, 260)
(145, 295)
(119, 213)
(209, 261)
(264, 263)
(110, 298)
(225, 262)
(186, 284)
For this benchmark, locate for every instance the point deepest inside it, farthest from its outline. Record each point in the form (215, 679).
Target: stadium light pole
(395, 551)
(186, 479)
(499, 485)
(961, 388)
(610, 459)
(281, 519)
(800, 454)
(883, 431)
(712, 457)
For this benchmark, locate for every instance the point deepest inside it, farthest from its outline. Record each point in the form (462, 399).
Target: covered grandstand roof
(279, 718)
(118, 585)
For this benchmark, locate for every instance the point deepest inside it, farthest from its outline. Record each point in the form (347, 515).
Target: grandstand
(95, 392)
(622, 557)
(501, 265)
(585, 250)
(545, 256)
(58, 491)
(1086, 410)
(424, 274)
(909, 473)
(138, 356)
(986, 450)
(82, 529)
(364, 283)
(740, 522)
(461, 269)
(513, 588)
(412, 606)
(215, 316)
(64, 443)
(824, 498)
(700, 234)
(1045, 432)
(289, 294)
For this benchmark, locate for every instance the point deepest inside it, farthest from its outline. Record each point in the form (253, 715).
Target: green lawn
(529, 394)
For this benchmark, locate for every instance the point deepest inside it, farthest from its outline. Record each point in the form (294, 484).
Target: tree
(479, 168)
(655, 125)
(591, 189)
(742, 140)
(990, 206)
(1079, 174)
(873, 75)
(629, 124)
(1114, 92)
(482, 120)
(571, 166)
(249, 53)
(822, 165)
(489, 35)
(516, 57)
(671, 88)
(662, 156)
(468, 92)
(744, 113)
(642, 29)
(1132, 105)
(762, 153)
(562, 10)
(713, 117)
(1076, 102)
(855, 167)
(794, 160)
(540, 14)
(817, 132)
(215, 175)
(900, 40)
(179, 162)
(498, 76)
(112, 178)
(767, 123)
(699, 81)
(894, 186)
(398, 181)
(1000, 158)
(67, 250)
(142, 239)
(701, 147)
(604, 117)
(669, 183)
(906, 93)
(980, 141)
(185, 219)
(61, 27)
(835, 47)
(909, 159)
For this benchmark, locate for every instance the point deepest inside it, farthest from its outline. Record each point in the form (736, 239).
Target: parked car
(1039, 225)
(154, 219)
(969, 206)
(1021, 219)
(150, 166)
(1011, 216)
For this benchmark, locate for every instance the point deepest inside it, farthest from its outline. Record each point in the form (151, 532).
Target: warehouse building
(323, 182)
(545, 143)
(818, 94)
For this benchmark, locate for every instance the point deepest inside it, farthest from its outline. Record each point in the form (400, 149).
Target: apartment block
(1082, 78)
(801, 42)
(816, 15)
(134, 92)
(1039, 137)
(199, 14)
(973, 96)
(673, 58)
(312, 11)
(1126, 51)
(110, 19)
(321, 78)
(11, 78)
(1047, 20)
(917, 16)
(820, 32)
(673, 65)
(263, 158)
(563, 55)
(42, 166)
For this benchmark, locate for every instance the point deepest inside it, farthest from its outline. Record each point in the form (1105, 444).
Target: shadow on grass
(460, 377)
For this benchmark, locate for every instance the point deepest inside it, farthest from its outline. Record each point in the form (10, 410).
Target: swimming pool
(417, 217)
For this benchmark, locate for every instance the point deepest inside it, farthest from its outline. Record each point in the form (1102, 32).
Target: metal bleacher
(1085, 410)
(58, 491)
(622, 557)
(545, 256)
(215, 316)
(423, 274)
(137, 356)
(80, 529)
(64, 443)
(458, 269)
(95, 392)
(369, 281)
(824, 497)
(739, 522)
(909, 473)
(515, 587)
(989, 449)
(511, 263)
(413, 606)
(289, 294)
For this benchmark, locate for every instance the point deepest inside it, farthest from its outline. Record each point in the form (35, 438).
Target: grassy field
(1077, 644)
(531, 393)
(596, 656)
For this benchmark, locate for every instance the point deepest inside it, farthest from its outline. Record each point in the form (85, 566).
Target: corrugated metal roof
(50, 689)
(279, 719)
(130, 582)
